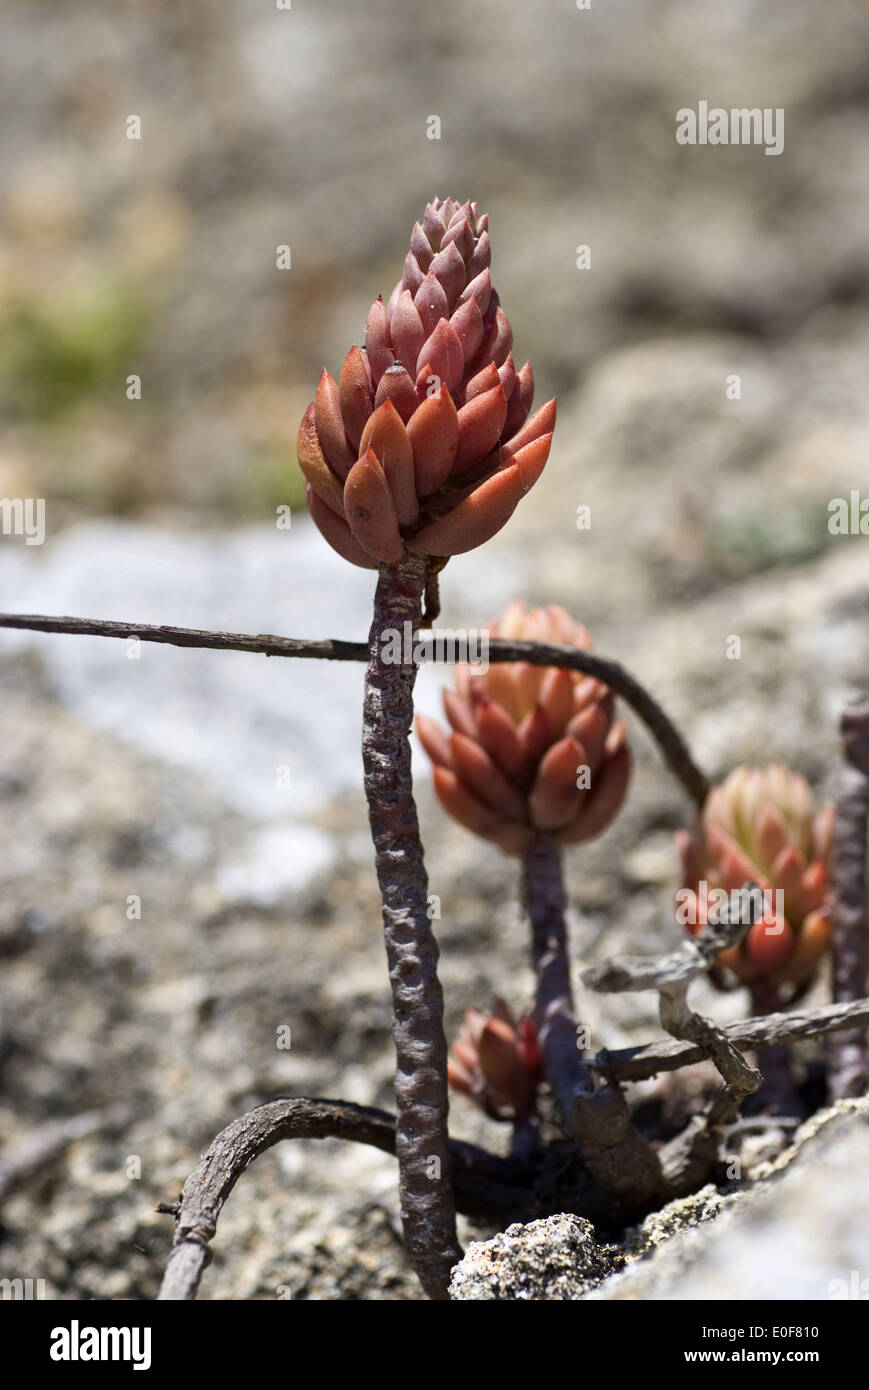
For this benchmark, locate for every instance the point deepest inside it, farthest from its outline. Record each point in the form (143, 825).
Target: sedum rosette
(760, 826)
(424, 443)
(531, 748)
(496, 1061)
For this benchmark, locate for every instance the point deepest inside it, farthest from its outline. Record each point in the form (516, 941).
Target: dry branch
(482, 1182)
(847, 1055)
(671, 975)
(667, 736)
(689, 1158)
(641, 1063)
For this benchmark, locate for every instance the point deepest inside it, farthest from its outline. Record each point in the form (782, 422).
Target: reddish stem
(778, 1091)
(543, 895)
(422, 1144)
(596, 1116)
(848, 1070)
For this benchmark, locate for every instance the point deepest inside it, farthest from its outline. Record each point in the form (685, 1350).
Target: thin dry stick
(422, 1143)
(622, 1163)
(667, 736)
(687, 1160)
(671, 975)
(483, 1182)
(641, 1063)
(848, 1064)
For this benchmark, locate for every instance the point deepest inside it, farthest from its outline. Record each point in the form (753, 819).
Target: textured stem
(422, 1145)
(485, 1184)
(545, 903)
(848, 1072)
(596, 1116)
(432, 597)
(641, 1063)
(778, 1093)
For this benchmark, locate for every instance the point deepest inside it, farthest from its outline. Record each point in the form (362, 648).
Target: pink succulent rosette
(531, 748)
(760, 826)
(425, 442)
(496, 1062)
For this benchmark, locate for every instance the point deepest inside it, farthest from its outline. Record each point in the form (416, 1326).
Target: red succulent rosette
(760, 826)
(425, 442)
(496, 1061)
(531, 748)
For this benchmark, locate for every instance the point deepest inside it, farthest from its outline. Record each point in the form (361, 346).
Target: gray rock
(557, 1258)
(801, 1231)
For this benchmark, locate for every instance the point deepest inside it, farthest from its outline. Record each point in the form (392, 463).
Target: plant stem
(544, 898)
(422, 1146)
(848, 1065)
(778, 1093)
(485, 1184)
(596, 1116)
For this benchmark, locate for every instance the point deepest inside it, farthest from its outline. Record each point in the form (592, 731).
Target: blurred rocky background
(158, 777)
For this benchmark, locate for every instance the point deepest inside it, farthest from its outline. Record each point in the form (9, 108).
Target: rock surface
(557, 1258)
(799, 1230)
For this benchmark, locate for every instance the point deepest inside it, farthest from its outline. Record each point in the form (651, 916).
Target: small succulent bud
(424, 442)
(496, 1061)
(531, 748)
(760, 826)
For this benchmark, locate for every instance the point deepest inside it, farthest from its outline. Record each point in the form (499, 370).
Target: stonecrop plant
(420, 450)
(761, 826)
(424, 444)
(531, 750)
(496, 1062)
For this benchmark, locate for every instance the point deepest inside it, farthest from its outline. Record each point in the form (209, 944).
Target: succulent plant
(424, 444)
(531, 748)
(419, 451)
(496, 1061)
(760, 825)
